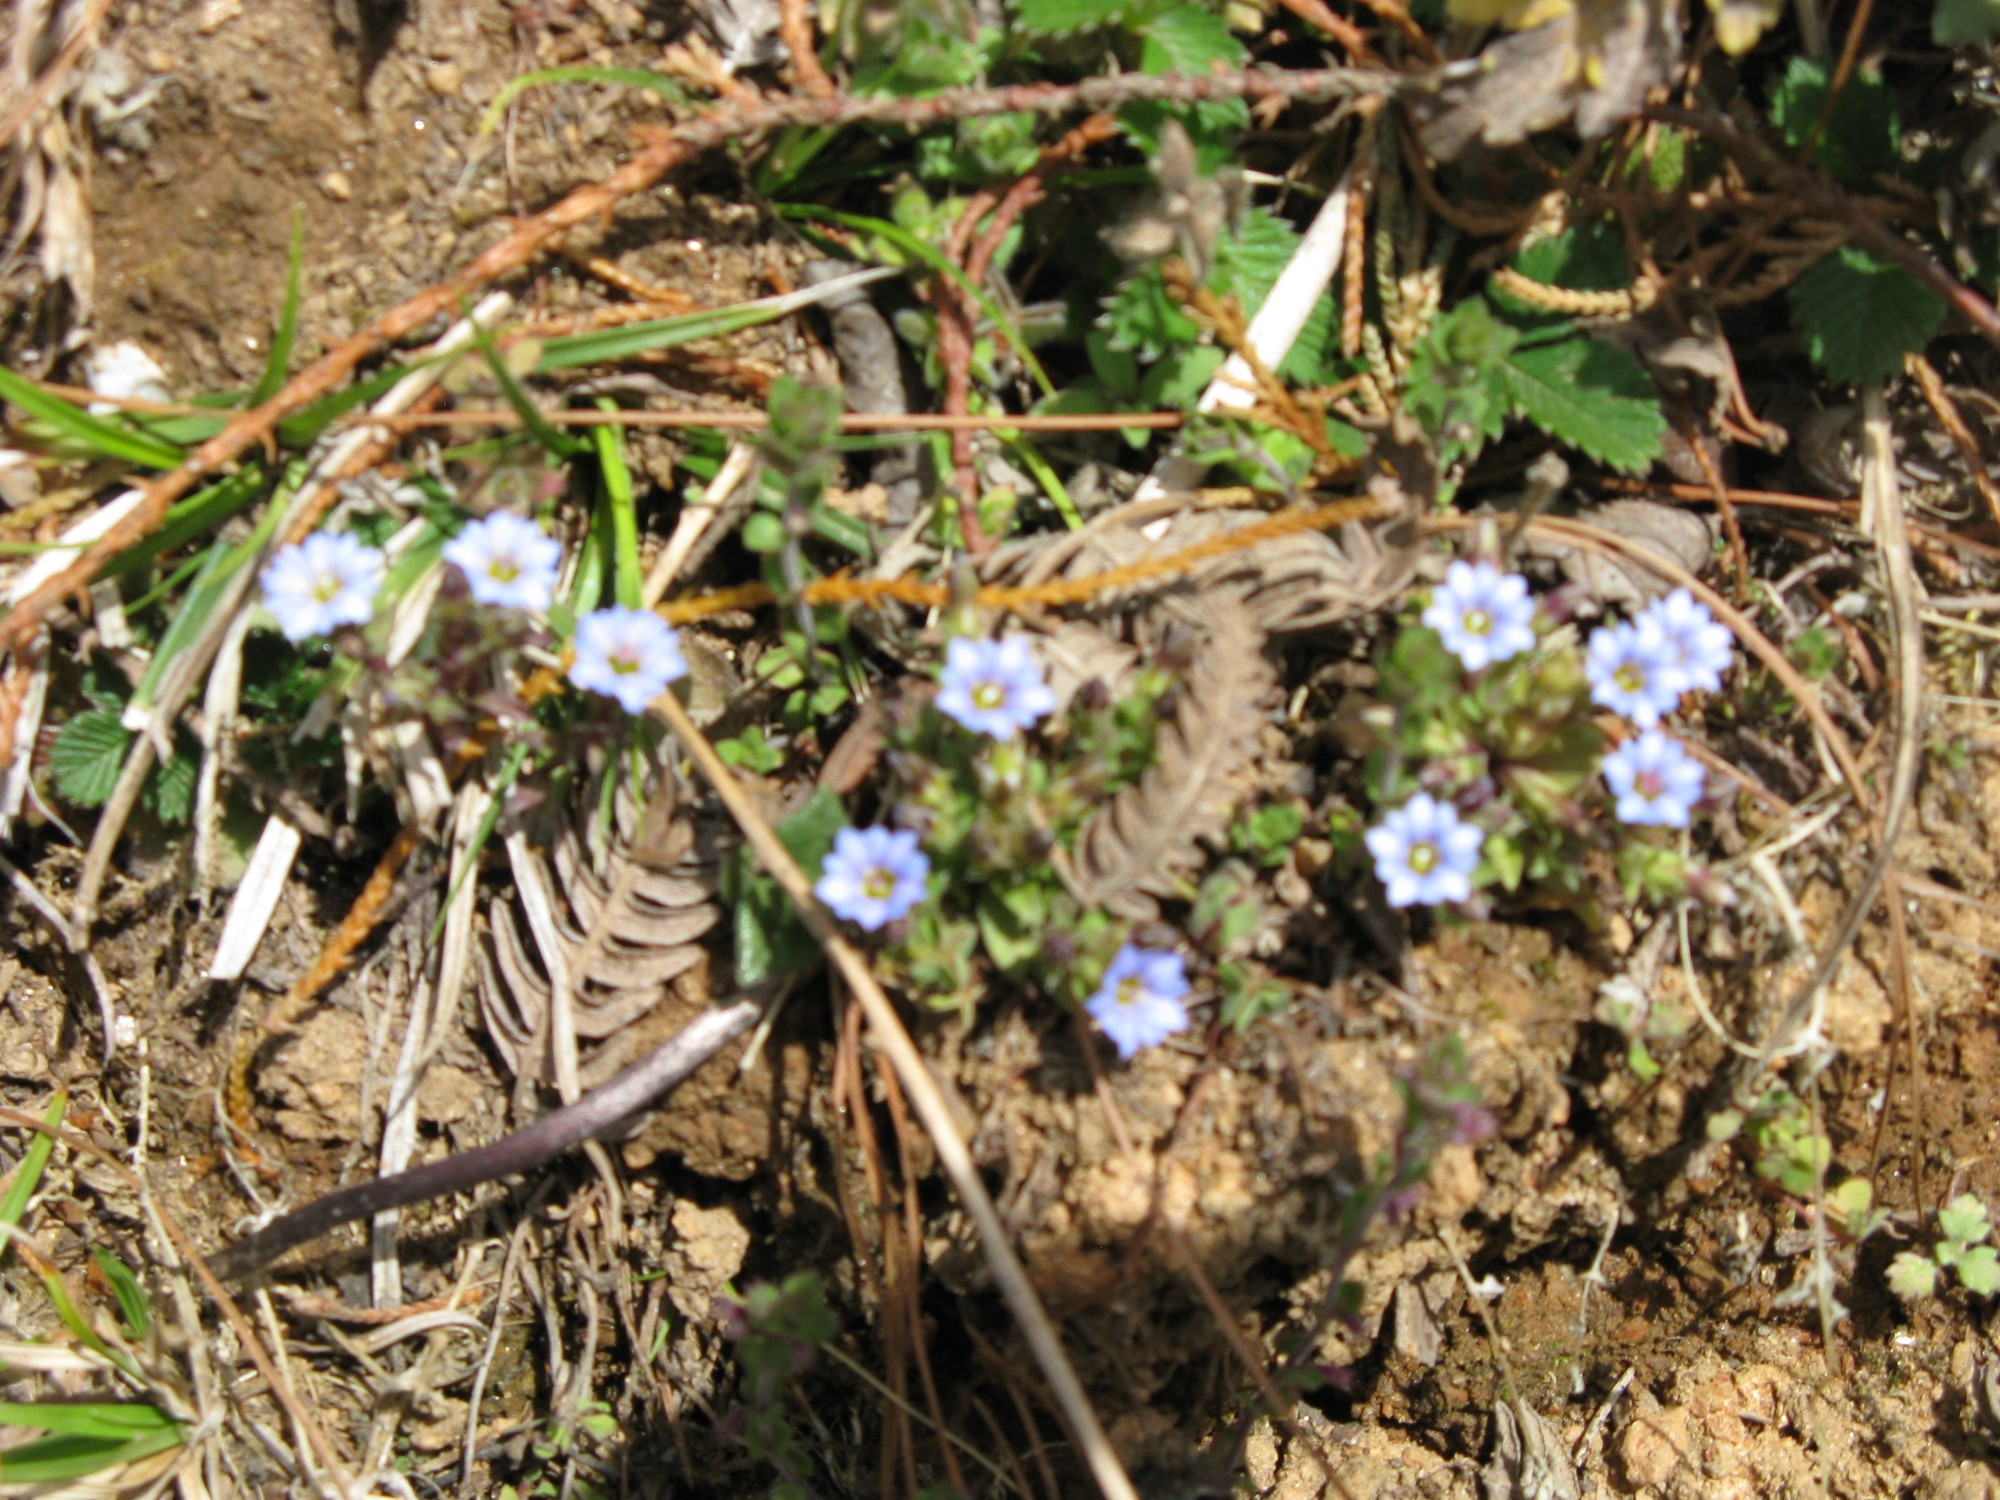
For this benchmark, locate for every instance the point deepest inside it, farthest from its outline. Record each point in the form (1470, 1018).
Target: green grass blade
(280, 362)
(1045, 476)
(201, 512)
(559, 443)
(594, 566)
(667, 333)
(510, 772)
(98, 1419)
(909, 245)
(64, 1457)
(303, 427)
(131, 1297)
(97, 436)
(207, 594)
(631, 78)
(626, 581)
(34, 1161)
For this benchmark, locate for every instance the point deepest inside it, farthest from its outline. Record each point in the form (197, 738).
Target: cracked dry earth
(1634, 1277)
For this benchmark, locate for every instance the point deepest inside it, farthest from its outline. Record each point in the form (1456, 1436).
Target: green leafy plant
(777, 1331)
(1860, 316)
(1963, 1231)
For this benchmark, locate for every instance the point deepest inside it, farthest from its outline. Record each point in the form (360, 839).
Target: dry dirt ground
(1664, 1354)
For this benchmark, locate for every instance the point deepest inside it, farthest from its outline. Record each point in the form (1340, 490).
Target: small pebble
(335, 184)
(444, 78)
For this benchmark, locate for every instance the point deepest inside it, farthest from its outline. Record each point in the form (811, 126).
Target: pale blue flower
(1631, 671)
(1142, 1001)
(627, 654)
(322, 583)
(1656, 782)
(873, 876)
(1425, 853)
(1699, 649)
(507, 560)
(1482, 614)
(993, 687)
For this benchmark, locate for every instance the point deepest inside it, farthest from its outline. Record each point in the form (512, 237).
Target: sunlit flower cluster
(330, 580)
(1426, 852)
(877, 876)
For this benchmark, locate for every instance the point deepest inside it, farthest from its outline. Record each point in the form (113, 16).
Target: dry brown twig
(795, 28)
(1797, 1024)
(1953, 421)
(924, 1095)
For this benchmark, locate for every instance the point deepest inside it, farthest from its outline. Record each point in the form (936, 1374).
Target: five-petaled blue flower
(508, 561)
(1142, 1001)
(1424, 852)
(1699, 649)
(1656, 782)
(1482, 614)
(627, 654)
(873, 876)
(993, 687)
(324, 582)
(1632, 671)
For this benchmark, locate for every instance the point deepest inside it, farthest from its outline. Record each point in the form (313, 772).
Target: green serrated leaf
(1861, 136)
(1584, 258)
(1964, 21)
(1456, 387)
(171, 789)
(1860, 316)
(1061, 17)
(1963, 1221)
(1912, 1275)
(86, 756)
(1589, 395)
(1979, 1270)
(1188, 39)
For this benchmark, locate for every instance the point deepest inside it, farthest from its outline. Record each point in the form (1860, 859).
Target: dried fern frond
(617, 939)
(1147, 841)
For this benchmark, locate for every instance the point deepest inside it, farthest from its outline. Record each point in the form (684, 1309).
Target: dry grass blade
(928, 1101)
(1143, 844)
(1883, 515)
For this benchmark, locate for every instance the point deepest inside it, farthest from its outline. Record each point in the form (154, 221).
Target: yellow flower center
(1423, 857)
(988, 695)
(1129, 991)
(1478, 622)
(503, 570)
(878, 884)
(1631, 677)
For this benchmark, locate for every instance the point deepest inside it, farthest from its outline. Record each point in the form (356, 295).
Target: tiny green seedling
(1963, 1231)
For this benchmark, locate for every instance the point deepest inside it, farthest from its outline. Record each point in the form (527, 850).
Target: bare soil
(1665, 1351)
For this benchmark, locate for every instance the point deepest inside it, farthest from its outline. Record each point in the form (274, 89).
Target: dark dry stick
(595, 1114)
